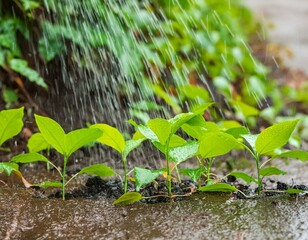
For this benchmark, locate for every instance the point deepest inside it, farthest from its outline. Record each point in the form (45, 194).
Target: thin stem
(125, 174)
(5, 149)
(268, 160)
(257, 158)
(208, 170)
(169, 186)
(63, 176)
(75, 175)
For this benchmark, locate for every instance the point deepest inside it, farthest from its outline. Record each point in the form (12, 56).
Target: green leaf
(48, 184)
(182, 153)
(21, 66)
(8, 167)
(296, 154)
(98, 169)
(176, 141)
(269, 171)
(237, 132)
(295, 191)
(275, 136)
(218, 187)
(248, 179)
(128, 198)
(29, 158)
(79, 138)
(52, 132)
(161, 128)
(37, 143)
(245, 109)
(111, 137)
(214, 144)
(130, 146)
(10, 123)
(194, 174)
(144, 176)
(251, 140)
(147, 133)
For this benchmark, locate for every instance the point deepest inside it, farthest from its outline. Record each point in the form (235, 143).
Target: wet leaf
(79, 138)
(251, 140)
(218, 187)
(148, 133)
(269, 171)
(275, 136)
(111, 137)
(37, 143)
(214, 144)
(98, 170)
(248, 179)
(295, 191)
(29, 158)
(49, 184)
(144, 176)
(52, 132)
(182, 153)
(194, 174)
(128, 198)
(161, 128)
(295, 154)
(237, 132)
(8, 167)
(10, 123)
(130, 146)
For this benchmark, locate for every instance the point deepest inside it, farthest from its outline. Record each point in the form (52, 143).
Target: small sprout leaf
(79, 138)
(49, 184)
(194, 174)
(29, 158)
(8, 167)
(52, 132)
(130, 146)
(218, 187)
(251, 140)
(182, 153)
(275, 136)
(144, 176)
(128, 198)
(111, 137)
(11, 123)
(217, 143)
(237, 132)
(295, 191)
(37, 143)
(295, 154)
(248, 179)
(269, 171)
(99, 170)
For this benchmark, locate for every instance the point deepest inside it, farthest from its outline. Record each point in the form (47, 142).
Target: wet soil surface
(202, 216)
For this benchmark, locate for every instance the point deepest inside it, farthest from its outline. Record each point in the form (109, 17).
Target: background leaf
(296, 154)
(99, 170)
(269, 171)
(275, 136)
(37, 143)
(10, 123)
(52, 132)
(111, 137)
(128, 198)
(48, 184)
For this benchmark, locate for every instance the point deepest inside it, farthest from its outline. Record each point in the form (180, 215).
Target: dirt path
(289, 19)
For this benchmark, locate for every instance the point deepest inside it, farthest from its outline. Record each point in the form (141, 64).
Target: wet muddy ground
(202, 216)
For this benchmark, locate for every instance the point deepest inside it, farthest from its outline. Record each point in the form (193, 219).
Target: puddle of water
(202, 216)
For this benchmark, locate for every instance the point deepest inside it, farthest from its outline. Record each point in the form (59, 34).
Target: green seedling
(265, 144)
(10, 124)
(65, 144)
(113, 138)
(162, 134)
(8, 168)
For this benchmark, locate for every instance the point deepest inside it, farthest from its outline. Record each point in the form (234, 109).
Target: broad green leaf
(21, 66)
(144, 176)
(275, 136)
(194, 131)
(37, 143)
(111, 137)
(8, 167)
(269, 171)
(128, 198)
(251, 140)
(176, 141)
(52, 132)
(214, 144)
(48, 184)
(295, 154)
(194, 174)
(237, 132)
(130, 146)
(29, 158)
(227, 124)
(179, 120)
(182, 153)
(147, 133)
(98, 169)
(245, 109)
(248, 179)
(161, 128)
(218, 187)
(10, 123)
(295, 191)
(79, 138)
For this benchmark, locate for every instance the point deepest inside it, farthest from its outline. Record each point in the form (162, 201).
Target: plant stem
(125, 174)
(208, 170)
(63, 177)
(169, 186)
(257, 158)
